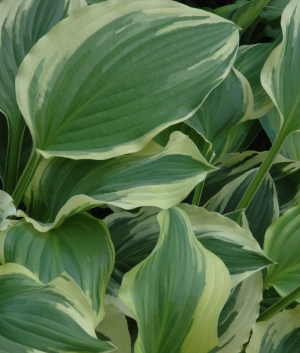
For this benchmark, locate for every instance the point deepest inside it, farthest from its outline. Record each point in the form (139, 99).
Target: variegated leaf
(110, 100)
(180, 282)
(249, 62)
(286, 176)
(282, 246)
(279, 334)
(263, 209)
(7, 208)
(135, 235)
(239, 315)
(202, 144)
(22, 24)
(271, 125)
(228, 104)
(228, 241)
(231, 166)
(114, 325)
(49, 318)
(155, 176)
(3, 144)
(280, 74)
(81, 246)
(238, 137)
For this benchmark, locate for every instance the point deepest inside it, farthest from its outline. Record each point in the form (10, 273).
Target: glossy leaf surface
(163, 302)
(81, 246)
(155, 176)
(110, 100)
(57, 313)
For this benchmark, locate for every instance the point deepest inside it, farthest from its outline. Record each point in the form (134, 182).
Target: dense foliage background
(149, 169)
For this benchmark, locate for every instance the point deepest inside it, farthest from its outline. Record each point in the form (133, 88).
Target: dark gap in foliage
(261, 143)
(100, 213)
(133, 330)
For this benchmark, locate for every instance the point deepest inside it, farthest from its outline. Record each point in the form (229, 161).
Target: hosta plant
(133, 215)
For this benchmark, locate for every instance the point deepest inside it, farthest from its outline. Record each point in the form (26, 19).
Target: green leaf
(249, 62)
(282, 246)
(286, 176)
(3, 144)
(263, 209)
(271, 125)
(155, 176)
(81, 246)
(228, 104)
(274, 9)
(234, 138)
(137, 80)
(94, 1)
(239, 315)
(248, 12)
(282, 70)
(7, 208)
(114, 325)
(188, 288)
(228, 10)
(44, 318)
(231, 166)
(277, 335)
(234, 245)
(22, 24)
(163, 137)
(135, 235)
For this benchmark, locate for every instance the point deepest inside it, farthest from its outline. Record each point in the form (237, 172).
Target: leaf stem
(280, 305)
(263, 170)
(15, 138)
(26, 177)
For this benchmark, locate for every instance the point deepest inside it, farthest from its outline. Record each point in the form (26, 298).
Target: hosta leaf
(112, 295)
(284, 172)
(279, 334)
(203, 145)
(135, 235)
(271, 125)
(22, 24)
(274, 9)
(136, 80)
(228, 104)
(232, 139)
(81, 246)
(155, 176)
(249, 62)
(7, 208)
(281, 74)
(263, 209)
(44, 318)
(248, 12)
(3, 144)
(286, 176)
(236, 246)
(114, 325)
(177, 293)
(282, 246)
(239, 315)
(94, 1)
(231, 167)
(228, 10)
